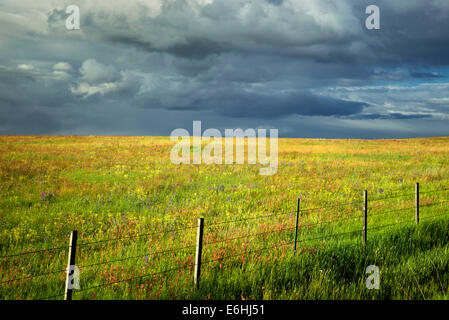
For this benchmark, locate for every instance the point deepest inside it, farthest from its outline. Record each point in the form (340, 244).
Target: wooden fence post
(365, 215)
(296, 225)
(199, 249)
(70, 264)
(417, 203)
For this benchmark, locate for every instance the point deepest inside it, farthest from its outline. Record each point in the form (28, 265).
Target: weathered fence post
(70, 266)
(296, 225)
(417, 203)
(199, 249)
(365, 215)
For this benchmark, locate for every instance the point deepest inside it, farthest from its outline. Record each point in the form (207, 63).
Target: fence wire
(299, 227)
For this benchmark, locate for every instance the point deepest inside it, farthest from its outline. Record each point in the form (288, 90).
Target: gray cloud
(254, 105)
(150, 66)
(191, 48)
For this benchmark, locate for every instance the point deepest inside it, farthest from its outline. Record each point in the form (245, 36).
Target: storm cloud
(307, 67)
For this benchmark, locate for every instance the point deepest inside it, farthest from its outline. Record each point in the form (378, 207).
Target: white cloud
(102, 79)
(25, 67)
(96, 72)
(62, 66)
(85, 89)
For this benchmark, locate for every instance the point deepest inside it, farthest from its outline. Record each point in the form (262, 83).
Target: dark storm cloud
(260, 106)
(179, 32)
(196, 48)
(308, 67)
(26, 89)
(412, 32)
(215, 30)
(191, 48)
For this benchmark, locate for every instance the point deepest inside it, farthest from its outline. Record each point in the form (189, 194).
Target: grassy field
(126, 190)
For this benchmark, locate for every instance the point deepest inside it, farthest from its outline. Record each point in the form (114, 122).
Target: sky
(309, 68)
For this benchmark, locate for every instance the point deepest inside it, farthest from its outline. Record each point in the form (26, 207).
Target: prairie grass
(126, 188)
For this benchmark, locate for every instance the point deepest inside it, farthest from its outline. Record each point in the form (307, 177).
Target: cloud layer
(307, 67)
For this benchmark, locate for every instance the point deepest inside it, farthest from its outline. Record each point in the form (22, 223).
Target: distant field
(127, 189)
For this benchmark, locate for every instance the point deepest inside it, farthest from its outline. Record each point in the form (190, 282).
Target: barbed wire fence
(204, 248)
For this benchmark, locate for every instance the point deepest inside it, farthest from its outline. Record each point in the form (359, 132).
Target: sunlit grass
(126, 187)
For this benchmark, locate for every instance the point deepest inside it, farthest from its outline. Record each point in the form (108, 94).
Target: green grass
(120, 187)
(412, 260)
